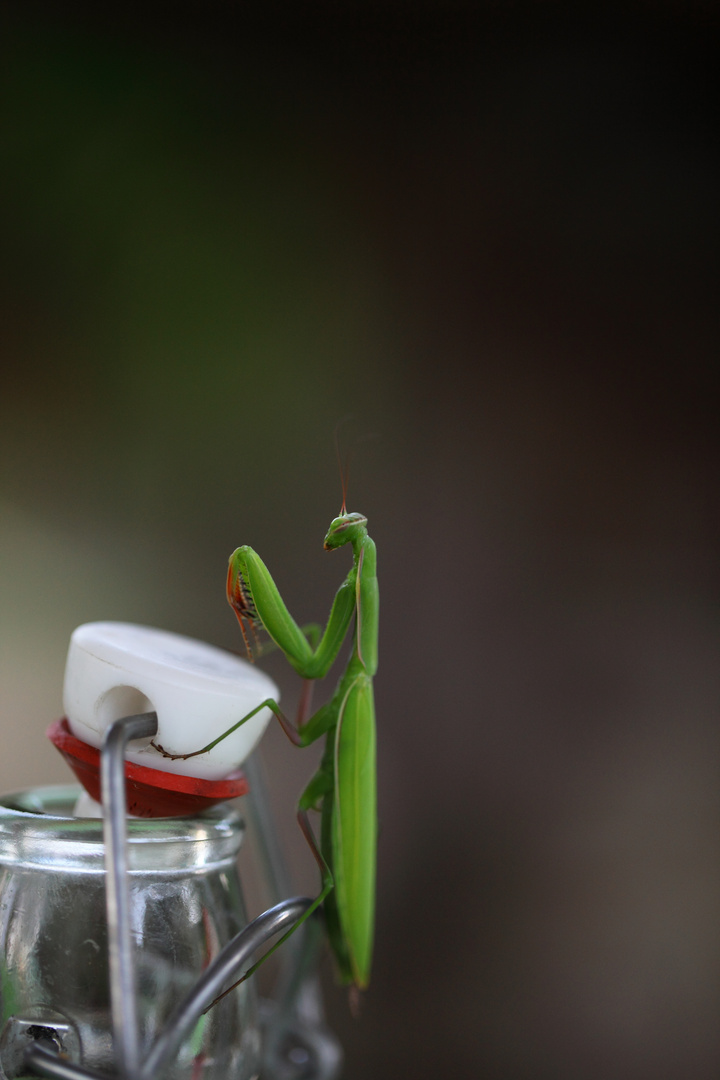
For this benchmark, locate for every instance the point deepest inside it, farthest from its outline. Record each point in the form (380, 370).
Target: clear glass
(186, 905)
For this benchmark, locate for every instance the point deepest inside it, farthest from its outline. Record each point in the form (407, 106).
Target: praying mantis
(343, 789)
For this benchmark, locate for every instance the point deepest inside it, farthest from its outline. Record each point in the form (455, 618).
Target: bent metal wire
(296, 1023)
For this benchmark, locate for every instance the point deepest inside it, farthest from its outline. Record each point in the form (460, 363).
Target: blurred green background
(490, 235)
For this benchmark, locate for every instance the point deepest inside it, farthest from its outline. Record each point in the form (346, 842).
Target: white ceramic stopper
(198, 692)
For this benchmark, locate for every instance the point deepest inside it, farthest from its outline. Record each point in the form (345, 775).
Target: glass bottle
(186, 904)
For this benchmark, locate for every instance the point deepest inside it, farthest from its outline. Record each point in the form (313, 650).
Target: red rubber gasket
(150, 792)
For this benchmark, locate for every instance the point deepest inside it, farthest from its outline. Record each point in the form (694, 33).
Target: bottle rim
(38, 829)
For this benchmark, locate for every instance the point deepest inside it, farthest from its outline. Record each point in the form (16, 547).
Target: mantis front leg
(254, 596)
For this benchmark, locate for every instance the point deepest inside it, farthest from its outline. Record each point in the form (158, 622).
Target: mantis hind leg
(318, 795)
(316, 789)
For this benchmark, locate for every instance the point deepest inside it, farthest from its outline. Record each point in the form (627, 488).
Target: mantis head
(345, 529)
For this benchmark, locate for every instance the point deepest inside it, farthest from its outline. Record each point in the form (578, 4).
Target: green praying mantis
(343, 789)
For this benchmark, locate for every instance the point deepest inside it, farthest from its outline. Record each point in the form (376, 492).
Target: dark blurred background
(490, 234)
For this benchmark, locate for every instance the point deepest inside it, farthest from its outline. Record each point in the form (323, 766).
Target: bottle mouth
(38, 829)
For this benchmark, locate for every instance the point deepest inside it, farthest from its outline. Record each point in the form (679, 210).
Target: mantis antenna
(343, 467)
